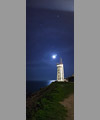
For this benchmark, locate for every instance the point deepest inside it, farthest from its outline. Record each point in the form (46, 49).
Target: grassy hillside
(44, 104)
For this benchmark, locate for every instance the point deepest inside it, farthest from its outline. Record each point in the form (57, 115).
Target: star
(41, 24)
(58, 16)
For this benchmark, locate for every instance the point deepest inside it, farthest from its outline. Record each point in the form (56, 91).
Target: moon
(54, 56)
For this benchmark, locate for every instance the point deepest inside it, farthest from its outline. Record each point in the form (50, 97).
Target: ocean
(33, 86)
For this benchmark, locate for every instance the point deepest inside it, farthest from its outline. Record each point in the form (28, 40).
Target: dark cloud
(62, 5)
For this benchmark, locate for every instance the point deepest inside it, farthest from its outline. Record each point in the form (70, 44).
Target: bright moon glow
(54, 56)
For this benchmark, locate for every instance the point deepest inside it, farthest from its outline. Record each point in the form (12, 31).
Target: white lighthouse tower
(60, 72)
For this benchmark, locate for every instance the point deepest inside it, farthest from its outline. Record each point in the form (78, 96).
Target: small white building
(60, 72)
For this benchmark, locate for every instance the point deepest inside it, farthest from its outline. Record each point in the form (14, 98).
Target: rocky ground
(69, 104)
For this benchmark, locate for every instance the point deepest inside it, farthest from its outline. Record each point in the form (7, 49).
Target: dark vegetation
(44, 104)
(71, 79)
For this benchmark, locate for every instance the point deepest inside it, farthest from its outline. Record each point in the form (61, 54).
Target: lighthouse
(60, 71)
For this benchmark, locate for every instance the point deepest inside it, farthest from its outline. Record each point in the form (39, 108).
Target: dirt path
(69, 105)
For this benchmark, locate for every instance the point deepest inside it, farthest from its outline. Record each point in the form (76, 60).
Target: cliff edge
(46, 103)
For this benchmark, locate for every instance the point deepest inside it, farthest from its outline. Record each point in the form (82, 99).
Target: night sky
(49, 31)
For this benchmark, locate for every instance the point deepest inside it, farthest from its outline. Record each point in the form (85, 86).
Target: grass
(45, 104)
